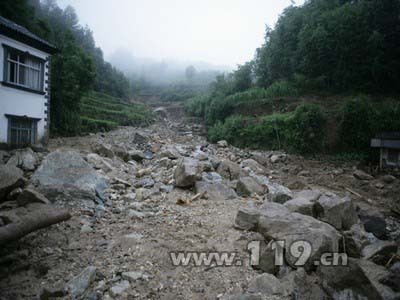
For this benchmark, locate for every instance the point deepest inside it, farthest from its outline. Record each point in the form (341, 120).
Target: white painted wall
(18, 102)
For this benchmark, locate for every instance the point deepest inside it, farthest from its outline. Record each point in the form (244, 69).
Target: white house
(24, 86)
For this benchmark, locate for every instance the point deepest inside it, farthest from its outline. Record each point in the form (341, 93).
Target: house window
(22, 131)
(24, 70)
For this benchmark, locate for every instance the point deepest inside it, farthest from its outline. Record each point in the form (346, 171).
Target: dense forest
(344, 53)
(79, 67)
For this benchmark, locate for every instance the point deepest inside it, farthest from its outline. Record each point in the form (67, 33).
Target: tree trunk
(46, 216)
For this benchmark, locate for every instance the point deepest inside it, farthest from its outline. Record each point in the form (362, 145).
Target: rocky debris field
(122, 202)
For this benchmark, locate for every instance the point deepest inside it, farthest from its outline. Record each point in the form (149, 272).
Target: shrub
(300, 131)
(197, 105)
(306, 131)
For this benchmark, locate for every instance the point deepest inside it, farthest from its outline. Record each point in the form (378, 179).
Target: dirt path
(138, 236)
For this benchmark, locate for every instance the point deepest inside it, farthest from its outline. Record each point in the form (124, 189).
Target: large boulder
(215, 191)
(247, 186)
(380, 252)
(10, 178)
(302, 286)
(372, 219)
(359, 279)
(304, 202)
(392, 279)
(276, 192)
(186, 172)
(355, 239)
(170, 152)
(25, 159)
(293, 227)
(254, 166)
(339, 212)
(247, 217)
(266, 284)
(67, 175)
(229, 170)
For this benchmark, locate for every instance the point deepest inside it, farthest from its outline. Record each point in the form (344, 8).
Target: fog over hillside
(165, 71)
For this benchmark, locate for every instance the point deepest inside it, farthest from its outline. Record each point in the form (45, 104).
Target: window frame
(33, 129)
(7, 49)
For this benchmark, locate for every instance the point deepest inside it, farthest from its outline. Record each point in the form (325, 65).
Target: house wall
(23, 103)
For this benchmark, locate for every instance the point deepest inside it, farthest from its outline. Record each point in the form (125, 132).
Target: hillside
(101, 112)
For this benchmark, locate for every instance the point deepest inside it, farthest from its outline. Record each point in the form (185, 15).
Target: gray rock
(301, 206)
(245, 297)
(118, 289)
(136, 214)
(355, 240)
(79, 284)
(121, 152)
(139, 139)
(246, 186)
(266, 284)
(211, 177)
(276, 192)
(135, 276)
(361, 175)
(229, 170)
(301, 286)
(372, 219)
(292, 227)
(376, 274)
(267, 258)
(25, 159)
(136, 155)
(392, 279)
(13, 195)
(185, 174)
(388, 179)
(200, 155)
(247, 217)
(380, 252)
(222, 144)
(215, 191)
(339, 212)
(104, 150)
(99, 162)
(29, 195)
(170, 152)
(10, 178)
(277, 158)
(254, 166)
(65, 174)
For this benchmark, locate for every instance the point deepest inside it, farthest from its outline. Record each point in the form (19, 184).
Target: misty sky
(222, 32)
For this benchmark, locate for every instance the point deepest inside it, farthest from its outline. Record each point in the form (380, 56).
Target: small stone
(361, 175)
(79, 284)
(134, 276)
(86, 229)
(119, 288)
